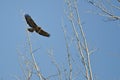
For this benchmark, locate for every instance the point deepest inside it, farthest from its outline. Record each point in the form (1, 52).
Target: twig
(85, 41)
(68, 53)
(78, 41)
(33, 59)
(55, 63)
(104, 10)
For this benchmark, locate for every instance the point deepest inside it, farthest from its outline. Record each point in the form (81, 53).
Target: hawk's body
(34, 26)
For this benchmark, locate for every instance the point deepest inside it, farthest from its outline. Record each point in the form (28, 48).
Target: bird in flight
(35, 27)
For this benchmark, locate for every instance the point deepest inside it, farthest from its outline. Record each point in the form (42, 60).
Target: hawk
(35, 27)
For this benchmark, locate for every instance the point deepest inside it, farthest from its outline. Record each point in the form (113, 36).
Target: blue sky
(48, 14)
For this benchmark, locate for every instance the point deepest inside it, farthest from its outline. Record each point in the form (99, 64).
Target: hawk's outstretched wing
(30, 21)
(41, 32)
(34, 26)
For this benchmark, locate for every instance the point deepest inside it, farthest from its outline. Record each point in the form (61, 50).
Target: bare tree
(73, 16)
(78, 53)
(28, 63)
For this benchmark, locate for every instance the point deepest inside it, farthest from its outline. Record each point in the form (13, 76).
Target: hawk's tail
(30, 29)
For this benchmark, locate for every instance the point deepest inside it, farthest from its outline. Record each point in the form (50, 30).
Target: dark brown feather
(30, 21)
(42, 32)
(34, 26)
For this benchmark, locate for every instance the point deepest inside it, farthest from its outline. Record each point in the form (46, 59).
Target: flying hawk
(35, 27)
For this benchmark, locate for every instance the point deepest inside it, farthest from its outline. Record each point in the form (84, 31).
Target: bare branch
(68, 53)
(104, 10)
(33, 59)
(82, 48)
(55, 63)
